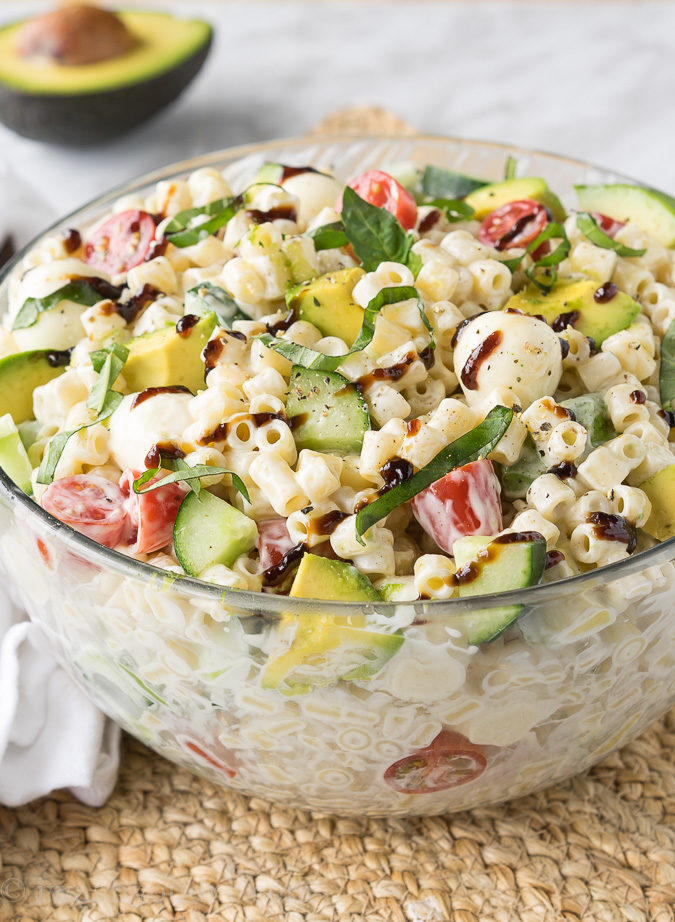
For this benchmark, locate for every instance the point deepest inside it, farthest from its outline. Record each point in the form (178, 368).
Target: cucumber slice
(652, 211)
(13, 458)
(208, 298)
(208, 530)
(489, 565)
(326, 411)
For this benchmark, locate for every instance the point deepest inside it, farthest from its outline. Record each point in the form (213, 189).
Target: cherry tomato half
(449, 760)
(384, 191)
(513, 225)
(91, 505)
(464, 502)
(608, 225)
(273, 542)
(121, 242)
(152, 515)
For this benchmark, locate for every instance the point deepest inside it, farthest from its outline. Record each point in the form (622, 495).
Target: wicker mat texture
(169, 845)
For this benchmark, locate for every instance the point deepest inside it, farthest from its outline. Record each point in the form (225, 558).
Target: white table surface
(591, 80)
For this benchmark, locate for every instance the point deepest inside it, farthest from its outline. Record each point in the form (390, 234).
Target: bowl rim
(260, 602)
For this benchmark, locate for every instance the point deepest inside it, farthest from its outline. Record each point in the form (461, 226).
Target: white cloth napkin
(51, 735)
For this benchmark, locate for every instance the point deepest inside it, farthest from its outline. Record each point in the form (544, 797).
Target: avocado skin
(93, 118)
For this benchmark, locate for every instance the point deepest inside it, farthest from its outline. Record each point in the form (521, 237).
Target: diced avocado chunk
(487, 565)
(333, 580)
(517, 477)
(327, 648)
(652, 211)
(166, 358)
(326, 411)
(660, 488)
(327, 302)
(572, 302)
(207, 298)
(208, 531)
(13, 457)
(489, 198)
(590, 411)
(20, 374)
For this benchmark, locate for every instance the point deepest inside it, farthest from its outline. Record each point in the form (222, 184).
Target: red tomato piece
(608, 225)
(513, 225)
(449, 760)
(273, 542)
(91, 505)
(384, 191)
(121, 242)
(467, 501)
(200, 750)
(152, 515)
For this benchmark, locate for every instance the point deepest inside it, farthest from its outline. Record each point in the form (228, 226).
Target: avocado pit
(74, 35)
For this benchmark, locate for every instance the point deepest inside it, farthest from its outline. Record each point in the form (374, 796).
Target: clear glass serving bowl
(180, 663)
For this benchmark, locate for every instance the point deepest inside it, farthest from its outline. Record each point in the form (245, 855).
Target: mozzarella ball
(507, 350)
(315, 191)
(135, 429)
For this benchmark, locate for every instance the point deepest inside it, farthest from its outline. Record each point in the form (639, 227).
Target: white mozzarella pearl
(135, 429)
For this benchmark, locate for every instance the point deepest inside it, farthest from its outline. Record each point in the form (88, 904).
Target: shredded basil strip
(553, 229)
(113, 363)
(375, 234)
(310, 358)
(329, 236)
(440, 183)
(590, 229)
(81, 291)
(667, 373)
(510, 167)
(454, 209)
(207, 298)
(478, 443)
(58, 442)
(180, 234)
(187, 474)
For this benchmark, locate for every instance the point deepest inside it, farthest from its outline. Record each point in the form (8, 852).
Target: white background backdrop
(591, 80)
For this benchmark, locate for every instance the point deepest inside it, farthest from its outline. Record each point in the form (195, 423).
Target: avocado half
(91, 103)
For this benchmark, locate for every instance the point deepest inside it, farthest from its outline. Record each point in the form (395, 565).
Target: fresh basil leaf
(590, 229)
(207, 298)
(440, 183)
(109, 372)
(187, 474)
(453, 208)
(510, 167)
(552, 229)
(667, 373)
(329, 236)
(478, 443)
(58, 442)
(374, 233)
(180, 232)
(85, 291)
(310, 358)
(415, 264)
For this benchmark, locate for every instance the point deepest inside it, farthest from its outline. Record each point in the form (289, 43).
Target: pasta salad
(413, 386)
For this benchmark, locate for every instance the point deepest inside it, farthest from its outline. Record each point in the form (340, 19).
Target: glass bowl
(440, 725)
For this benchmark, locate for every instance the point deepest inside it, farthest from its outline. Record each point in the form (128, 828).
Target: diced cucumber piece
(28, 432)
(208, 531)
(667, 372)
(13, 458)
(652, 211)
(207, 298)
(489, 566)
(326, 411)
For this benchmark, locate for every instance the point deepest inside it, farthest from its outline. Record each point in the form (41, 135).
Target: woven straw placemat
(169, 845)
